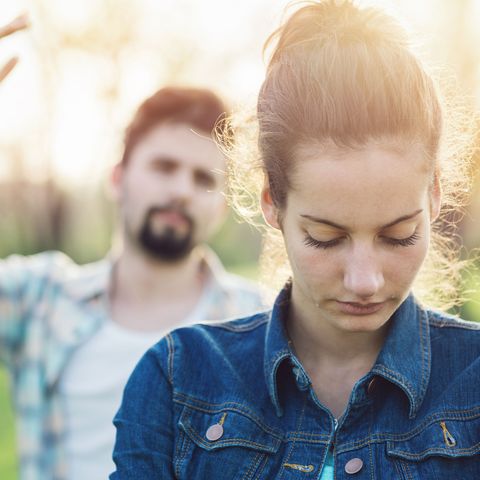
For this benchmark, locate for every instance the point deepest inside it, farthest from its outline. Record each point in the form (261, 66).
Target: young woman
(349, 376)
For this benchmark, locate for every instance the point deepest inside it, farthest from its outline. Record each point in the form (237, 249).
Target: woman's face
(356, 228)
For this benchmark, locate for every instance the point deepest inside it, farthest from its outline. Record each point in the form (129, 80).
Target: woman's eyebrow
(403, 218)
(341, 227)
(324, 221)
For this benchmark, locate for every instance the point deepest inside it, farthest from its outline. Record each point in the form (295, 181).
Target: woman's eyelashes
(311, 242)
(394, 242)
(403, 242)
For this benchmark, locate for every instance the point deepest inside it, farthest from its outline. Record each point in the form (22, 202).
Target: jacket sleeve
(145, 433)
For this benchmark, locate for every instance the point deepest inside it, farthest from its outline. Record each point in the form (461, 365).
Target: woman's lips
(353, 308)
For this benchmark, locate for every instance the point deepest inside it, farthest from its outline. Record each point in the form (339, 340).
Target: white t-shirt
(91, 389)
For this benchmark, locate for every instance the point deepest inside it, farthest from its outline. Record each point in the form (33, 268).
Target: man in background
(70, 335)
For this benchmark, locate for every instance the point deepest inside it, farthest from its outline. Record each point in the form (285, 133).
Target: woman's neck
(334, 359)
(319, 342)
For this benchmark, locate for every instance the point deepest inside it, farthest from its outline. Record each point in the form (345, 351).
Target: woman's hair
(345, 74)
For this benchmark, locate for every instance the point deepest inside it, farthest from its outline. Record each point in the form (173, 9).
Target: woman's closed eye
(391, 241)
(312, 242)
(402, 242)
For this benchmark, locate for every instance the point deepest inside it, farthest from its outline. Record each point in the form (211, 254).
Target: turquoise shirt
(327, 472)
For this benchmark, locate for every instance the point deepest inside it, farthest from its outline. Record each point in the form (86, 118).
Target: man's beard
(166, 245)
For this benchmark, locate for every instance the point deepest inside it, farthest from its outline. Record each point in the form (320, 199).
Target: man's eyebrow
(164, 159)
(341, 227)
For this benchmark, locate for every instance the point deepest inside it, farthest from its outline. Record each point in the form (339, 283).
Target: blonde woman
(348, 376)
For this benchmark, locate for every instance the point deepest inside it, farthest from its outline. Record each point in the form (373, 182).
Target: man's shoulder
(232, 296)
(52, 267)
(240, 286)
(40, 265)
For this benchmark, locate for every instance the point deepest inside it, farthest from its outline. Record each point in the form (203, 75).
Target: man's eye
(402, 242)
(164, 166)
(311, 242)
(205, 179)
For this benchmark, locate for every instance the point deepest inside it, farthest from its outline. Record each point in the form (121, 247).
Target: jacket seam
(389, 437)
(232, 326)
(437, 450)
(171, 352)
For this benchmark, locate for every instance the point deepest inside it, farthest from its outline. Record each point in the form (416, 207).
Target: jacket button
(214, 432)
(353, 466)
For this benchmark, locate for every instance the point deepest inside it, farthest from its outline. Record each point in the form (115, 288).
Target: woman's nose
(363, 276)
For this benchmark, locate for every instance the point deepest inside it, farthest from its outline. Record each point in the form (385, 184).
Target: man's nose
(363, 275)
(182, 186)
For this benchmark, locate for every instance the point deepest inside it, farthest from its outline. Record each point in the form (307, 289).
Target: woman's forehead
(348, 183)
(372, 162)
(330, 147)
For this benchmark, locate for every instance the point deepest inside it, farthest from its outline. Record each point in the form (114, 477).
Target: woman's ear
(435, 198)
(269, 210)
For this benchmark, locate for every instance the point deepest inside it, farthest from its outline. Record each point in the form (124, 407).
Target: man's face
(170, 191)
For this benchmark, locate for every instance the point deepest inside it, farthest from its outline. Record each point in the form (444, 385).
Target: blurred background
(84, 68)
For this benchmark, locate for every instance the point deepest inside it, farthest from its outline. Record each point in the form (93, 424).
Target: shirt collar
(93, 279)
(88, 281)
(404, 359)
(213, 267)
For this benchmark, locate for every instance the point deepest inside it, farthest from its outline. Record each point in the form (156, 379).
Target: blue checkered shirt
(48, 307)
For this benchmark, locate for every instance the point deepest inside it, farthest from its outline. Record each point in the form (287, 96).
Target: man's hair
(198, 107)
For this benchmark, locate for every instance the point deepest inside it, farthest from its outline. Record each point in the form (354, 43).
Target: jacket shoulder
(218, 332)
(440, 320)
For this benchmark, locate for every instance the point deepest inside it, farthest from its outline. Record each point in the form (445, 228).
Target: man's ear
(269, 210)
(116, 178)
(435, 198)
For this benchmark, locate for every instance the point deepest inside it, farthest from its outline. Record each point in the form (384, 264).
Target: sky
(85, 66)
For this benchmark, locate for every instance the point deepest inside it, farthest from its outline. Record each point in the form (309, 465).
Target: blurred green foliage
(7, 437)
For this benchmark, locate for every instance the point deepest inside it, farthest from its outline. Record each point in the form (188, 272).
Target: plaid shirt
(48, 307)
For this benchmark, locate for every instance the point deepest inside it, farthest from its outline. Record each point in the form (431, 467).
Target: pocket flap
(444, 438)
(238, 430)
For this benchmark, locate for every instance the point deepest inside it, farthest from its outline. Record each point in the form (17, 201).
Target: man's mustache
(170, 209)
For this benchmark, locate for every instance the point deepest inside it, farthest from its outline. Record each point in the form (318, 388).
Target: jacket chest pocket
(227, 445)
(446, 448)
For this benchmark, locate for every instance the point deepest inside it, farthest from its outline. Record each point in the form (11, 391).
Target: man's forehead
(183, 144)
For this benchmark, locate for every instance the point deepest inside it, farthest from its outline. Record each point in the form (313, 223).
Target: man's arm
(14, 275)
(22, 281)
(145, 435)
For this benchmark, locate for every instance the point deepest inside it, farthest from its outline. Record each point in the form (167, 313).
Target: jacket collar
(404, 359)
(277, 348)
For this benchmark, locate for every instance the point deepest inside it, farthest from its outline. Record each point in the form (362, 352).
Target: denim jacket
(231, 401)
